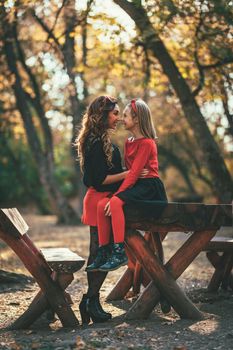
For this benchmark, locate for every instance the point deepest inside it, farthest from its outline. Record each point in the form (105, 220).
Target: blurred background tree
(56, 56)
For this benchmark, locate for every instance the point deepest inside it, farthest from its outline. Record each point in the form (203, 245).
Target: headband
(133, 105)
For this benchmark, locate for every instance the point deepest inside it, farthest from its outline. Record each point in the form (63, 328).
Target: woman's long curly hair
(95, 125)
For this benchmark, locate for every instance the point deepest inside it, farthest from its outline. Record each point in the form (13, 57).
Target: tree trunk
(220, 175)
(77, 105)
(28, 187)
(44, 161)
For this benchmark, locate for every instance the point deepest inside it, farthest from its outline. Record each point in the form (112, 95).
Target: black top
(96, 167)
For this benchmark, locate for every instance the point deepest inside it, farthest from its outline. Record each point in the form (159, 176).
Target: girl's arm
(139, 163)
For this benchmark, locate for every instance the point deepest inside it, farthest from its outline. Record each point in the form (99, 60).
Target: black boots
(90, 308)
(102, 255)
(117, 259)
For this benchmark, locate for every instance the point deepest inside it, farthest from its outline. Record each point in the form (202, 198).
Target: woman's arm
(110, 179)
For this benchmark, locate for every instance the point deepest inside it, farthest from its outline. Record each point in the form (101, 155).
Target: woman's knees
(101, 205)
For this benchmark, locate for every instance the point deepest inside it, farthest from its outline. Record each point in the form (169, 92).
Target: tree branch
(56, 19)
(44, 27)
(201, 71)
(223, 62)
(226, 108)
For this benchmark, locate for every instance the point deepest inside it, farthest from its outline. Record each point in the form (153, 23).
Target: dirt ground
(158, 332)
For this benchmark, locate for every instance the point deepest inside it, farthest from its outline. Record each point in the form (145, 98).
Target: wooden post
(39, 271)
(183, 306)
(176, 266)
(222, 270)
(137, 278)
(157, 242)
(227, 272)
(122, 287)
(39, 305)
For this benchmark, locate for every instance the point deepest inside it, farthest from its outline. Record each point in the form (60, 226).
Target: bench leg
(151, 263)
(40, 304)
(137, 278)
(124, 284)
(139, 273)
(150, 297)
(222, 275)
(122, 287)
(227, 273)
(39, 270)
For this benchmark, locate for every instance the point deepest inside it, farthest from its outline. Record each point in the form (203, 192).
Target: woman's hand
(143, 173)
(107, 209)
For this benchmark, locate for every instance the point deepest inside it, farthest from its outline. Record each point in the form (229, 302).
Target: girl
(140, 152)
(100, 162)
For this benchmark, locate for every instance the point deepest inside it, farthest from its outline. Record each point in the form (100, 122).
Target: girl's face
(113, 117)
(129, 122)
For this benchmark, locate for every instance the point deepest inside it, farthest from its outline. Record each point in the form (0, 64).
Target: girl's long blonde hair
(139, 108)
(95, 126)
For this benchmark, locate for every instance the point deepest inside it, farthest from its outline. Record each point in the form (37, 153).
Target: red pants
(116, 221)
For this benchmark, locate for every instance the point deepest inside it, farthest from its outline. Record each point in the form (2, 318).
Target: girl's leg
(104, 223)
(118, 219)
(104, 230)
(118, 257)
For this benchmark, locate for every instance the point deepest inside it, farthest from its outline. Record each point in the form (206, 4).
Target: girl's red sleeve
(139, 163)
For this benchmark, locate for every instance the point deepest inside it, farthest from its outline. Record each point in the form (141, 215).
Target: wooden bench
(222, 264)
(52, 268)
(146, 253)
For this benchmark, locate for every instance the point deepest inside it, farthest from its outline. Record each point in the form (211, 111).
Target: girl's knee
(116, 202)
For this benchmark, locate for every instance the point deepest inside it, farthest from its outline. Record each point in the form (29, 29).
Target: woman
(100, 162)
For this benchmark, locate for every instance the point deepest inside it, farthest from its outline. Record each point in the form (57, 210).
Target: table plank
(162, 216)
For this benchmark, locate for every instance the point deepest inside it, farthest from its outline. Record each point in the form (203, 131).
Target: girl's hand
(107, 209)
(143, 173)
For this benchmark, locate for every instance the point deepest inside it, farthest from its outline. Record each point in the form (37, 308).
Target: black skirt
(149, 189)
(147, 195)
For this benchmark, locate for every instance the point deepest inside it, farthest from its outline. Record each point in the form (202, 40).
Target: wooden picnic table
(146, 252)
(52, 268)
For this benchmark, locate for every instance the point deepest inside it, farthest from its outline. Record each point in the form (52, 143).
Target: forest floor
(160, 331)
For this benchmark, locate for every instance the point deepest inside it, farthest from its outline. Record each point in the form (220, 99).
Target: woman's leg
(90, 307)
(96, 278)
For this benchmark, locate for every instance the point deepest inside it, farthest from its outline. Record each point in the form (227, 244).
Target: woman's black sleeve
(98, 164)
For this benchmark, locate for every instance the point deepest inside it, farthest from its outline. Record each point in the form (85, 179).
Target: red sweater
(140, 153)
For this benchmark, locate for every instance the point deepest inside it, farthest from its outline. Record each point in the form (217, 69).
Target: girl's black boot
(117, 259)
(102, 255)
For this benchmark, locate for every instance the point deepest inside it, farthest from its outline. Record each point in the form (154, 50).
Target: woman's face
(113, 117)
